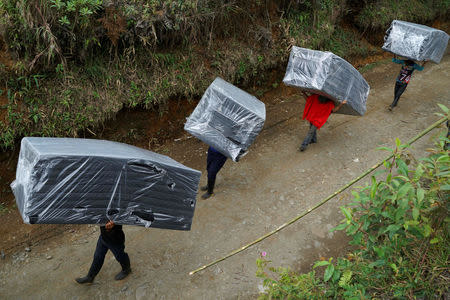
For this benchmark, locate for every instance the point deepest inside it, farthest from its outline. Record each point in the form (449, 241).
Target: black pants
(311, 137)
(214, 162)
(100, 252)
(398, 91)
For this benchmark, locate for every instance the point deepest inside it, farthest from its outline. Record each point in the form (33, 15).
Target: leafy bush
(400, 227)
(380, 13)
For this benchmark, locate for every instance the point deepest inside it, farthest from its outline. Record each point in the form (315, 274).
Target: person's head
(323, 99)
(409, 62)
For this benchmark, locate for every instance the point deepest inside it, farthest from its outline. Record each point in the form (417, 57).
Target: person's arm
(109, 225)
(420, 67)
(336, 108)
(305, 95)
(398, 61)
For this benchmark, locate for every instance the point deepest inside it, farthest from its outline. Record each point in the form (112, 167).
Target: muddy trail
(272, 184)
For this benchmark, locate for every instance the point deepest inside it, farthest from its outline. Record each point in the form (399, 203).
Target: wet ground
(271, 185)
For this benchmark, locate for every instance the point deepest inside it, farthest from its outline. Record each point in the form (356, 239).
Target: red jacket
(315, 112)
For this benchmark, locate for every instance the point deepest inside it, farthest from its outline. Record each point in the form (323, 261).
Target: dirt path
(272, 184)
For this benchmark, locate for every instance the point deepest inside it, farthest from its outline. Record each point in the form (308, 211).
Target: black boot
(210, 189)
(126, 270)
(86, 279)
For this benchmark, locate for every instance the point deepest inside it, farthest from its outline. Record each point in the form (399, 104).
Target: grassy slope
(52, 101)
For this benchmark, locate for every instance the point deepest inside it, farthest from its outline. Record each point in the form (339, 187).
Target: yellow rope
(431, 127)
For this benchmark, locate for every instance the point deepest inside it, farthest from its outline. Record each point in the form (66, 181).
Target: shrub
(400, 228)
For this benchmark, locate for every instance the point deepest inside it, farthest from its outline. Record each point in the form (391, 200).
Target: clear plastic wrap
(86, 181)
(415, 41)
(227, 118)
(329, 75)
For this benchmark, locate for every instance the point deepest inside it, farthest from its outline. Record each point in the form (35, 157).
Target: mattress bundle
(415, 41)
(227, 118)
(86, 181)
(327, 74)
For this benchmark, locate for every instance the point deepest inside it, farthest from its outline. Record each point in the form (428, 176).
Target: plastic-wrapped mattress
(86, 181)
(227, 118)
(329, 75)
(415, 41)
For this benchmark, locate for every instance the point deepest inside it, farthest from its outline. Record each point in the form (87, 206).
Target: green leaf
(377, 263)
(402, 167)
(379, 251)
(328, 272)
(385, 148)
(321, 263)
(64, 20)
(415, 213)
(434, 240)
(388, 178)
(403, 190)
(427, 230)
(440, 174)
(397, 142)
(445, 187)
(443, 107)
(392, 228)
(347, 213)
(351, 230)
(341, 226)
(394, 267)
(374, 187)
(419, 172)
(345, 278)
(420, 194)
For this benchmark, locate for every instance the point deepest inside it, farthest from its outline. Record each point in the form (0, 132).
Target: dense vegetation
(67, 65)
(399, 228)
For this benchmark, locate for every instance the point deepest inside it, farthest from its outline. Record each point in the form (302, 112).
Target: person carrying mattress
(214, 162)
(317, 110)
(111, 238)
(408, 67)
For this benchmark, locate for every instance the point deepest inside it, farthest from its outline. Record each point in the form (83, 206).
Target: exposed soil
(272, 184)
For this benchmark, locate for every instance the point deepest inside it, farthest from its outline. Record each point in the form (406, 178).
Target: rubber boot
(210, 190)
(86, 279)
(126, 270)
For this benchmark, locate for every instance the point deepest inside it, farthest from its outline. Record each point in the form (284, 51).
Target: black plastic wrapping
(87, 181)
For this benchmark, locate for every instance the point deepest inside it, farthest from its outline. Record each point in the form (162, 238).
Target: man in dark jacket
(408, 67)
(111, 238)
(214, 163)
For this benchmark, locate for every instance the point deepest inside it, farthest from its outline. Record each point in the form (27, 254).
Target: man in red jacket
(317, 110)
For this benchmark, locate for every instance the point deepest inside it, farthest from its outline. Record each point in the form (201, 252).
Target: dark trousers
(100, 252)
(311, 137)
(214, 162)
(398, 91)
